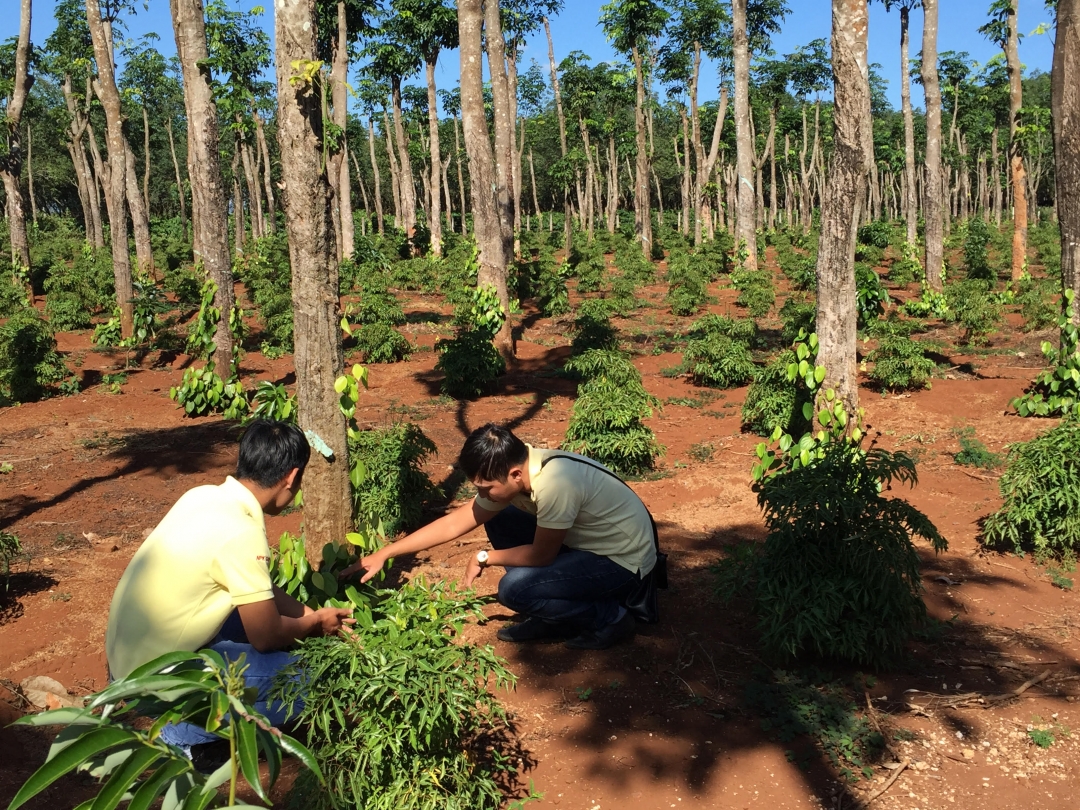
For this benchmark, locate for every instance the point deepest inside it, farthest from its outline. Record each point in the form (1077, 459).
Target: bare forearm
(530, 556)
(288, 606)
(449, 527)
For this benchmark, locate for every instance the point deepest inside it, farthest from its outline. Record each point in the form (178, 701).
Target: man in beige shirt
(575, 540)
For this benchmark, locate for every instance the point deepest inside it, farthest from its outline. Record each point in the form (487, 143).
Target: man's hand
(473, 571)
(330, 619)
(370, 565)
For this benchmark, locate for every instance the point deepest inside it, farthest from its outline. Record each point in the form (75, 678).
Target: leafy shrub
(1046, 240)
(929, 304)
(975, 258)
(377, 304)
(899, 364)
(717, 361)
(171, 250)
(797, 316)
(1037, 305)
(10, 550)
(772, 400)
(743, 330)
(757, 300)
(869, 254)
(592, 328)
(587, 262)
(633, 264)
(382, 343)
(607, 420)
(29, 363)
(185, 284)
(469, 361)
(551, 289)
(907, 268)
(70, 298)
(1056, 391)
(871, 297)
(713, 256)
(838, 575)
(800, 269)
(687, 286)
(395, 486)
(272, 401)
(266, 273)
(878, 233)
(13, 294)
(975, 309)
(1040, 492)
(400, 716)
(974, 453)
(202, 392)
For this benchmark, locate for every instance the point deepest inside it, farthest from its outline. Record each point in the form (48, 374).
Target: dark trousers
(578, 587)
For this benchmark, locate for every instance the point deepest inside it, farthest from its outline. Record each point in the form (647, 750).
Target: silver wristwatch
(482, 558)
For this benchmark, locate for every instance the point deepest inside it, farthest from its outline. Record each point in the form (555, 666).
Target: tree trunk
(532, 178)
(911, 214)
(253, 194)
(375, 172)
(843, 199)
(705, 172)
(116, 174)
(405, 175)
(1016, 159)
(11, 163)
(745, 224)
(504, 125)
(516, 148)
(933, 187)
(434, 214)
(1065, 102)
(568, 226)
(210, 222)
(30, 173)
(317, 336)
(339, 165)
(146, 160)
(239, 223)
(140, 221)
(460, 176)
(268, 183)
(395, 174)
(482, 174)
(642, 219)
(179, 178)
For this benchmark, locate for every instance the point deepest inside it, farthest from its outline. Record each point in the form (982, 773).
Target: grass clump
(1040, 492)
(973, 453)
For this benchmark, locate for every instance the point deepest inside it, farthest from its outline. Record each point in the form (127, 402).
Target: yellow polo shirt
(600, 513)
(207, 556)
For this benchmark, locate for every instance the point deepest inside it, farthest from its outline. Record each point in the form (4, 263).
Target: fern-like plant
(395, 486)
(900, 364)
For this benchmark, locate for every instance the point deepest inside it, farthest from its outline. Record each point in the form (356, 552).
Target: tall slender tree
(844, 198)
(1065, 100)
(746, 221)
(933, 190)
(317, 336)
(11, 164)
(909, 202)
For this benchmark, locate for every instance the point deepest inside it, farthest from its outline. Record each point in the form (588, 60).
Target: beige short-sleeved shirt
(208, 556)
(600, 513)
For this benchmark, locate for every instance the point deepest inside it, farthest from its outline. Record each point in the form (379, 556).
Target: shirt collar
(246, 498)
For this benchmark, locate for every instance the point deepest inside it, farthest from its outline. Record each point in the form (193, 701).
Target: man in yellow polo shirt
(201, 578)
(575, 539)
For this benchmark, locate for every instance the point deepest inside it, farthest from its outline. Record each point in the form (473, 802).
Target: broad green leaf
(247, 751)
(295, 749)
(91, 744)
(126, 777)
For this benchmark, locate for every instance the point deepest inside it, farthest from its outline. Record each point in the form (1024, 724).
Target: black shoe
(533, 629)
(608, 636)
(208, 757)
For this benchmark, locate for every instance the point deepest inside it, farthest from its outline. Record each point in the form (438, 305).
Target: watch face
(482, 557)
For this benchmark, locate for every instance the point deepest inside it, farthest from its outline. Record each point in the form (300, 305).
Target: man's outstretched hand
(370, 565)
(330, 620)
(473, 571)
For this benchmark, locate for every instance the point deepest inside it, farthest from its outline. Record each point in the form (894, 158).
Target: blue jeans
(230, 643)
(578, 587)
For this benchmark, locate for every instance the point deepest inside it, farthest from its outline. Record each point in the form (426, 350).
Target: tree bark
(317, 336)
(239, 223)
(517, 146)
(568, 226)
(375, 172)
(116, 174)
(11, 163)
(30, 173)
(407, 186)
(1065, 102)
(1016, 159)
(843, 200)
(504, 125)
(487, 228)
(253, 194)
(210, 224)
(180, 194)
(434, 213)
(911, 213)
(339, 166)
(146, 160)
(932, 191)
(460, 176)
(268, 183)
(745, 223)
(395, 175)
(140, 220)
(642, 219)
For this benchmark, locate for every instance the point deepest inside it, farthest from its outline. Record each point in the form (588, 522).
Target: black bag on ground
(642, 602)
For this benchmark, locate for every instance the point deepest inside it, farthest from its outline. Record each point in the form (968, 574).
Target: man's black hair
(490, 452)
(269, 450)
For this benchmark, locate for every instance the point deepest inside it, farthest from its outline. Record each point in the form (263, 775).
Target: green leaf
(125, 778)
(307, 759)
(247, 751)
(93, 743)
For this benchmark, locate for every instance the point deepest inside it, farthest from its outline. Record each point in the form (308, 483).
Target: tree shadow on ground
(21, 584)
(182, 450)
(689, 682)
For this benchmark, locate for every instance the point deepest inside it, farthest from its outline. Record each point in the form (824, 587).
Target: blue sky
(577, 29)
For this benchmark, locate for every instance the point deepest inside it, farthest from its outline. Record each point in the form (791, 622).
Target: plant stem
(233, 763)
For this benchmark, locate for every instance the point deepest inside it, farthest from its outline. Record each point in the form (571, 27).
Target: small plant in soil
(395, 486)
(274, 402)
(1040, 492)
(593, 328)
(972, 305)
(907, 268)
(798, 315)
(973, 453)
(871, 297)
(717, 361)
(588, 265)
(1056, 391)
(702, 452)
(900, 364)
(469, 361)
(10, 550)
(930, 304)
(975, 256)
(29, 363)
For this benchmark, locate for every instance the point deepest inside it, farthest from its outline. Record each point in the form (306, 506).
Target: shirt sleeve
(558, 499)
(490, 506)
(243, 569)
